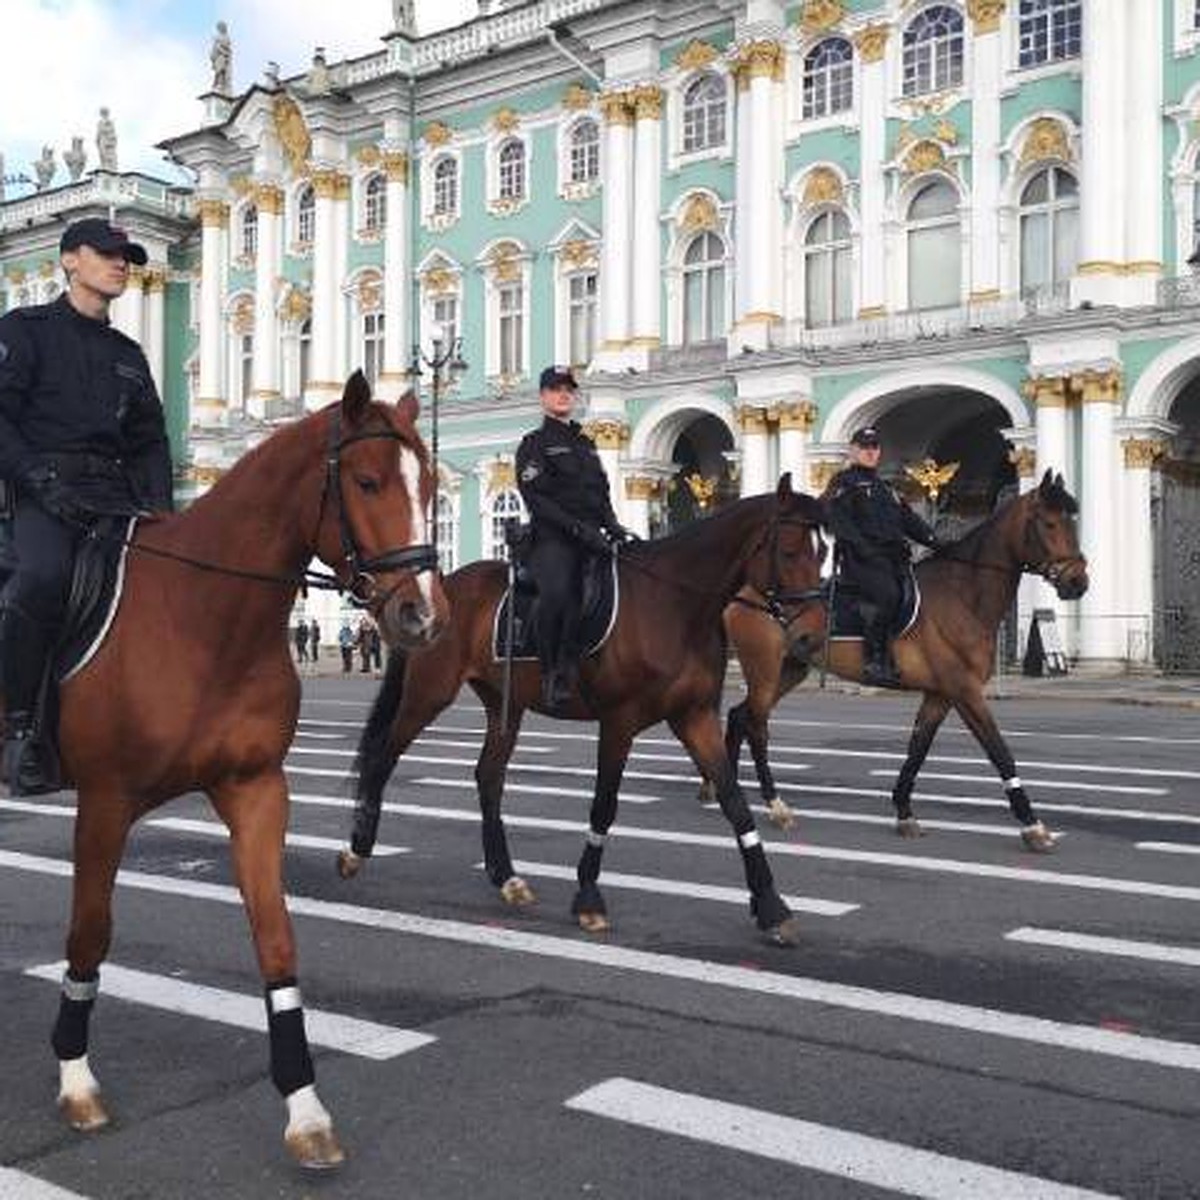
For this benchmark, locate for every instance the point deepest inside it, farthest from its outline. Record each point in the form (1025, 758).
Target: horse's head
(1051, 541)
(374, 530)
(785, 566)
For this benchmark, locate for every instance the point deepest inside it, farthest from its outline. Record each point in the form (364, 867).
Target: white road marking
(869, 1161)
(834, 814)
(1075, 785)
(312, 735)
(899, 1005)
(410, 756)
(38, 808)
(1186, 956)
(302, 841)
(350, 1035)
(16, 1185)
(679, 887)
(684, 760)
(1169, 847)
(538, 790)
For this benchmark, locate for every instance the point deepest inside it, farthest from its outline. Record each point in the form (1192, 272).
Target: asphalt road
(961, 1019)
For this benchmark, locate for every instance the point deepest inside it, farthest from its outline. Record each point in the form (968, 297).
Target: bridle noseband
(776, 598)
(1041, 564)
(356, 573)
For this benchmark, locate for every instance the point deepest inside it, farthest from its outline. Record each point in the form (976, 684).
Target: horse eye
(366, 484)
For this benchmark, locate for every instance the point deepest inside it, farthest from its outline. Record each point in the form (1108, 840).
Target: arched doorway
(701, 477)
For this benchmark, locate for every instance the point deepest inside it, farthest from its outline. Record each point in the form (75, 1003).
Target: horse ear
(784, 490)
(1047, 482)
(355, 397)
(408, 407)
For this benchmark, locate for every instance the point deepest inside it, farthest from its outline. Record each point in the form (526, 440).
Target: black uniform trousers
(880, 587)
(557, 563)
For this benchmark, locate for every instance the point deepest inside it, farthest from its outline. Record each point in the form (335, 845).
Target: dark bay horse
(664, 660)
(194, 689)
(949, 653)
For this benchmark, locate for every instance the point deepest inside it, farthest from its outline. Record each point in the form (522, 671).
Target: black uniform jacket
(562, 480)
(78, 393)
(869, 519)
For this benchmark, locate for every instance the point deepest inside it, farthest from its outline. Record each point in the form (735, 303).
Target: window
(249, 231)
(933, 51)
(1050, 30)
(512, 329)
(445, 186)
(704, 289)
(512, 170)
(506, 506)
(585, 152)
(446, 532)
(375, 204)
(827, 270)
(306, 216)
(305, 354)
(1049, 230)
(828, 78)
(581, 301)
(934, 248)
(704, 114)
(372, 346)
(1196, 16)
(445, 320)
(246, 365)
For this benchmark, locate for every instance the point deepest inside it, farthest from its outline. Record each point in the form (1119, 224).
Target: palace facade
(753, 225)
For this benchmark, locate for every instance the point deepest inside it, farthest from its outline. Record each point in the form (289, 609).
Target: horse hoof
(315, 1149)
(909, 827)
(593, 922)
(517, 892)
(786, 933)
(1038, 839)
(348, 864)
(84, 1112)
(707, 793)
(780, 815)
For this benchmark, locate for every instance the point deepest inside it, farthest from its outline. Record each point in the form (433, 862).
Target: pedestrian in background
(363, 641)
(314, 638)
(301, 637)
(376, 648)
(346, 645)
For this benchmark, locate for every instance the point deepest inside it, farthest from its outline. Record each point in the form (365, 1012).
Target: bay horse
(664, 659)
(193, 689)
(966, 589)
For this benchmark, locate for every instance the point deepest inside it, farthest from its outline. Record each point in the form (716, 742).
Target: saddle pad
(847, 621)
(601, 600)
(96, 586)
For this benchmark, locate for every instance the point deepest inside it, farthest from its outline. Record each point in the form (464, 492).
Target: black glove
(590, 537)
(51, 494)
(900, 553)
(618, 535)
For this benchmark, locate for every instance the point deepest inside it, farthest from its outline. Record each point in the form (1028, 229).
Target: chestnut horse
(664, 660)
(966, 591)
(193, 689)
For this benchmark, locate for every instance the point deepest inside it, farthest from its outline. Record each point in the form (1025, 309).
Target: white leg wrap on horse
(75, 1078)
(285, 999)
(749, 840)
(1011, 785)
(596, 839)
(80, 990)
(306, 1112)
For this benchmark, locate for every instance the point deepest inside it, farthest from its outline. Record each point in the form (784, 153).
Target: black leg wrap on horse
(588, 899)
(495, 853)
(366, 830)
(765, 902)
(70, 1036)
(902, 797)
(588, 870)
(1019, 802)
(291, 1063)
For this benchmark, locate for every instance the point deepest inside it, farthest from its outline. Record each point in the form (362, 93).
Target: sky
(147, 61)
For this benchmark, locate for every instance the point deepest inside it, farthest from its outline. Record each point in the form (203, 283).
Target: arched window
(372, 343)
(934, 248)
(245, 366)
(933, 51)
(506, 507)
(1050, 30)
(704, 114)
(828, 78)
(305, 354)
(704, 289)
(375, 204)
(512, 170)
(306, 216)
(827, 270)
(445, 186)
(447, 534)
(585, 152)
(511, 299)
(249, 232)
(1049, 230)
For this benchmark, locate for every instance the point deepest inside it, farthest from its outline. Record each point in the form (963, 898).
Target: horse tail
(376, 756)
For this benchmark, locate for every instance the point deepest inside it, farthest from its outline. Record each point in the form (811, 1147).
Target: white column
(796, 420)
(1140, 455)
(264, 387)
(397, 335)
(1029, 595)
(128, 312)
(211, 403)
(155, 344)
(610, 433)
(871, 43)
(639, 489)
(1049, 394)
(1143, 125)
(615, 285)
(1100, 636)
(756, 451)
(987, 72)
(324, 384)
(646, 327)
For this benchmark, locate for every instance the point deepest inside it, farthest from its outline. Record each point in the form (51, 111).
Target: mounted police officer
(81, 435)
(565, 490)
(872, 525)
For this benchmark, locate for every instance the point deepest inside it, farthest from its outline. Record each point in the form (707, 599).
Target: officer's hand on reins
(590, 537)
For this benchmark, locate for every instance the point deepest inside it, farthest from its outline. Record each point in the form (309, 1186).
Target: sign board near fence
(1044, 654)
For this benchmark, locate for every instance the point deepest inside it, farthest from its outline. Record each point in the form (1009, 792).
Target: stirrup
(24, 772)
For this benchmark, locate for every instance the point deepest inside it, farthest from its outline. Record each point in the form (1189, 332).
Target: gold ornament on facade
(1046, 140)
(932, 476)
(986, 14)
(243, 316)
(505, 262)
(822, 186)
(752, 420)
(213, 213)
(820, 473)
(607, 433)
(925, 155)
(240, 185)
(155, 279)
(642, 487)
(699, 213)
(819, 16)
(578, 253)
(576, 98)
(1144, 452)
(46, 269)
(505, 120)
(268, 198)
(871, 42)
(798, 414)
(292, 132)
(758, 60)
(438, 281)
(946, 132)
(1097, 386)
(369, 155)
(395, 165)
(437, 133)
(703, 489)
(1024, 461)
(647, 103)
(696, 55)
(370, 293)
(616, 108)
(1046, 391)
(297, 306)
(502, 476)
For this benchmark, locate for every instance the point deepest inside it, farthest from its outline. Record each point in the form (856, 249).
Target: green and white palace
(753, 225)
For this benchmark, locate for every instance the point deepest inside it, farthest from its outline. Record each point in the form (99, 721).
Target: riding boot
(22, 766)
(878, 668)
(24, 647)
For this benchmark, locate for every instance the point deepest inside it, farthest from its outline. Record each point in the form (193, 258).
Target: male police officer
(565, 490)
(81, 434)
(872, 524)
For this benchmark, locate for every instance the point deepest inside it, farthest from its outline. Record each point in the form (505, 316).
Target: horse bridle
(354, 572)
(776, 599)
(1049, 569)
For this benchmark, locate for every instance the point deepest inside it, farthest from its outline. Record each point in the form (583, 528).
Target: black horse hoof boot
(880, 674)
(23, 768)
(556, 691)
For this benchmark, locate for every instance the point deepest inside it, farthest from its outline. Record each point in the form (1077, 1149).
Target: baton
(509, 633)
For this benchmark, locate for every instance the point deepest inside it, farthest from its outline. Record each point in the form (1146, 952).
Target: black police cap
(868, 435)
(103, 236)
(556, 377)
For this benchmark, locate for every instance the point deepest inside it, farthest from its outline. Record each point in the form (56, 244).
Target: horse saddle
(601, 600)
(847, 620)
